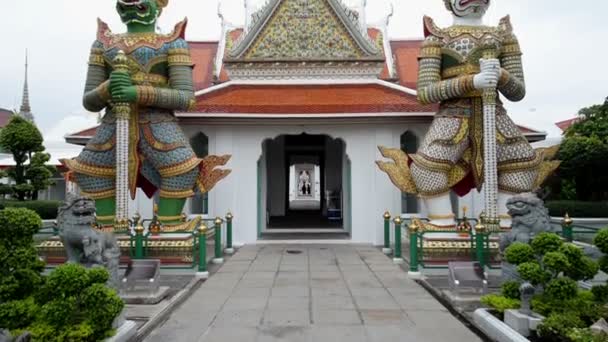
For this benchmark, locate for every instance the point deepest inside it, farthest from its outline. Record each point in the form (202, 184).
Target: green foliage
(600, 293)
(583, 154)
(585, 335)
(603, 263)
(556, 262)
(519, 253)
(510, 289)
(65, 281)
(20, 136)
(561, 289)
(20, 266)
(533, 272)
(24, 141)
(5, 190)
(577, 208)
(59, 312)
(556, 327)
(75, 302)
(39, 174)
(546, 242)
(500, 303)
(103, 306)
(46, 209)
(17, 314)
(601, 240)
(584, 269)
(82, 332)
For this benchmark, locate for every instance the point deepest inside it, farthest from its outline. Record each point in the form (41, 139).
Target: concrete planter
(125, 333)
(494, 328)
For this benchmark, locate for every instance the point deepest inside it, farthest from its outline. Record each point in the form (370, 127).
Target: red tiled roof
(406, 61)
(564, 125)
(203, 56)
(5, 116)
(89, 132)
(308, 99)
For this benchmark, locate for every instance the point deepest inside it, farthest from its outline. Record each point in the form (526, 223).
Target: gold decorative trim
(178, 52)
(104, 90)
(170, 218)
(99, 195)
(183, 227)
(146, 95)
(467, 69)
(179, 169)
(174, 60)
(441, 217)
(157, 145)
(89, 170)
(106, 218)
(176, 194)
(398, 170)
(107, 146)
(97, 59)
(520, 165)
(149, 79)
(210, 174)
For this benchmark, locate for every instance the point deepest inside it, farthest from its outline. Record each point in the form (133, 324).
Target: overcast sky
(564, 45)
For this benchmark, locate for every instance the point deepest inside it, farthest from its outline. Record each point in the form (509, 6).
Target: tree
(21, 138)
(583, 154)
(39, 174)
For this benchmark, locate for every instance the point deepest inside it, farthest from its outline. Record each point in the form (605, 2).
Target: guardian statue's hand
(121, 87)
(489, 75)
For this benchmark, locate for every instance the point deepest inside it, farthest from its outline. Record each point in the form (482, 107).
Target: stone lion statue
(530, 218)
(83, 243)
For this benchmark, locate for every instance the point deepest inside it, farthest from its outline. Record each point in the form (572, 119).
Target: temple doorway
(303, 185)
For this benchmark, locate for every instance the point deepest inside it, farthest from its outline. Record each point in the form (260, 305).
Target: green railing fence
(478, 236)
(141, 234)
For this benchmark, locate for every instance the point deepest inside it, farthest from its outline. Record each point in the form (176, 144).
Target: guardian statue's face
(468, 8)
(138, 11)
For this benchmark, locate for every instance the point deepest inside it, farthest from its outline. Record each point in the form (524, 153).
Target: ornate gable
(305, 38)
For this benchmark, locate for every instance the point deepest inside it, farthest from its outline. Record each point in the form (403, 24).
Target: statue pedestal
(522, 323)
(145, 297)
(441, 248)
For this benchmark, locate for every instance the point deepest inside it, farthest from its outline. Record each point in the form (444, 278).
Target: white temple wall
(371, 190)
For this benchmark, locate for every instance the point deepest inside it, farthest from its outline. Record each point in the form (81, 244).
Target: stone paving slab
(311, 293)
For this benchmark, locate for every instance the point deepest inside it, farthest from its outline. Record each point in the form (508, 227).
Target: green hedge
(46, 209)
(578, 209)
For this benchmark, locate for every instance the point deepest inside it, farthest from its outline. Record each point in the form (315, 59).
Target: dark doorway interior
(304, 182)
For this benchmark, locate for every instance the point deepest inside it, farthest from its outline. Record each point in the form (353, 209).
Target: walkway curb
(176, 301)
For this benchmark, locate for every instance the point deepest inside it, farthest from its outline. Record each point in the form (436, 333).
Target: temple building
(301, 97)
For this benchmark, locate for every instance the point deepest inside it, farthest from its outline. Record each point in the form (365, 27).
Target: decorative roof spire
(26, 111)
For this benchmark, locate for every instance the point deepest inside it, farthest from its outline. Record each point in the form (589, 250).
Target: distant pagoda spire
(26, 111)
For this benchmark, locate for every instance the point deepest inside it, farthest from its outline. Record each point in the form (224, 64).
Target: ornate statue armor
(160, 156)
(451, 156)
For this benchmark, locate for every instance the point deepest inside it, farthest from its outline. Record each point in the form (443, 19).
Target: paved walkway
(311, 293)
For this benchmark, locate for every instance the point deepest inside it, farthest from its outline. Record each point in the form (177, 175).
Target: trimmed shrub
(556, 262)
(47, 210)
(577, 209)
(561, 289)
(556, 327)
(20, 267)
(510, 289)
(17, 314)
(500, 303)
(600, 293)
(533, 272)
(601, 240)
(519, 253)
(544, 243)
